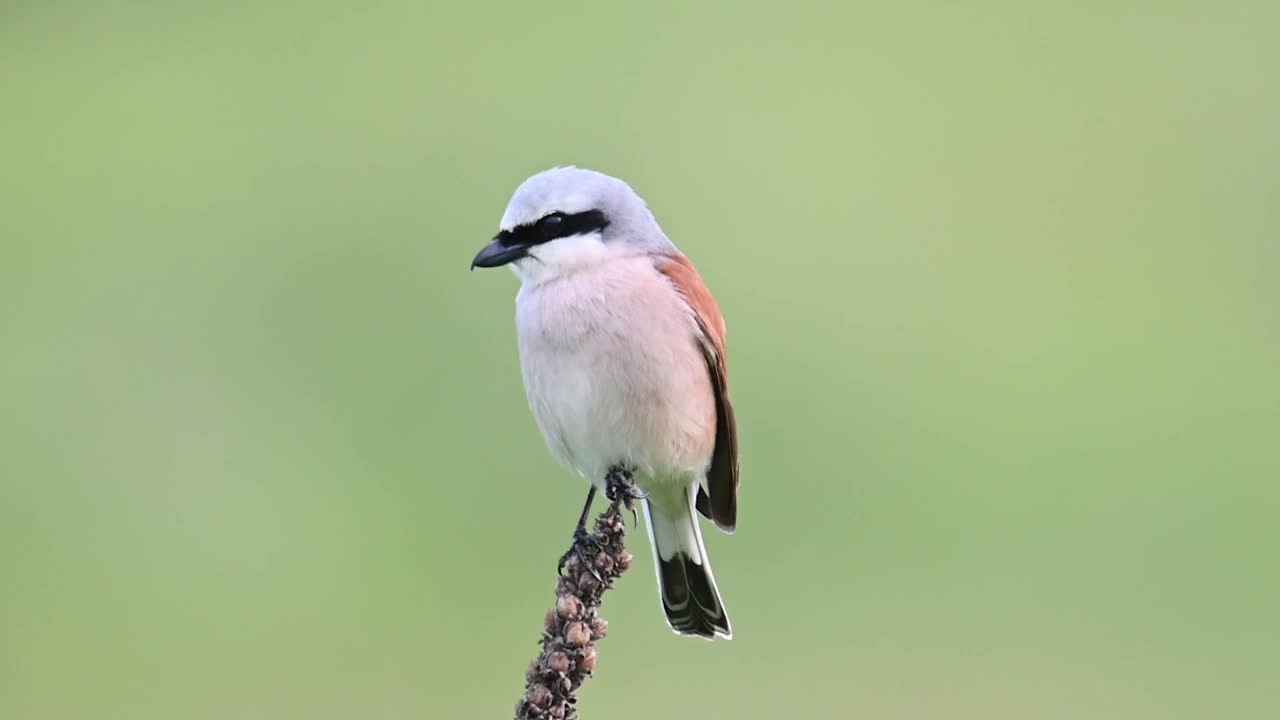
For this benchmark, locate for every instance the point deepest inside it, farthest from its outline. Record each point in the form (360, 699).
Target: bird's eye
(550, 223)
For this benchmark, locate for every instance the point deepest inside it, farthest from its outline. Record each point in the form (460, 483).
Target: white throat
(563, 256)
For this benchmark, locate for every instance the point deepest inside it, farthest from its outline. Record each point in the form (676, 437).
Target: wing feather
(719, 500)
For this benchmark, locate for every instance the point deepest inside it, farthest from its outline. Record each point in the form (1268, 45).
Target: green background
(1004, 331)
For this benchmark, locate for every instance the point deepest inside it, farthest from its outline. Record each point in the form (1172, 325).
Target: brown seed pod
(565, 586)
(568, 606)
(577, 634)
(559, 662)
(538, 696)
(604, 562)
(587, 659)
(599, 627)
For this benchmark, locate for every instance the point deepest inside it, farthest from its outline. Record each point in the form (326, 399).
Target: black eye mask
(550, 227)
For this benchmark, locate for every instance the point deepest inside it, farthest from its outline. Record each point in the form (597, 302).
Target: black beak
(497, 254)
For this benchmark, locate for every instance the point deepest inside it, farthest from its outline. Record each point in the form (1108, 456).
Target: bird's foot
(620, 488)
(583, 543)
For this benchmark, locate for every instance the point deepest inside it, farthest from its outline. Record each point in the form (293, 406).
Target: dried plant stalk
(568, 657)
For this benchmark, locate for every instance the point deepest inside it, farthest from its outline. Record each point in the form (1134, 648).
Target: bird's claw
(620, 488)
(582, 540)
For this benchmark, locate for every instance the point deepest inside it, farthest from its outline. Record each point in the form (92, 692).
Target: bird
(622, 353)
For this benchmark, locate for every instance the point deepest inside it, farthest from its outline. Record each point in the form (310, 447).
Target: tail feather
(690, 598)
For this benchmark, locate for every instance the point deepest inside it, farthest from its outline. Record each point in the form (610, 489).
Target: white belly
(614, 374)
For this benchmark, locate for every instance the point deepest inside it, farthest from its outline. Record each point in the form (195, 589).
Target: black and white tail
(688, 589)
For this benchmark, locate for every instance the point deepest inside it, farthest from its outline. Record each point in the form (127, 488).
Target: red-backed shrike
(622, 351)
